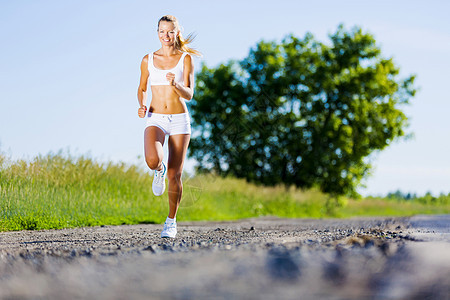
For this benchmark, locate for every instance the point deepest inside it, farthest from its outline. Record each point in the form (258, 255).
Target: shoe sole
(159, 194)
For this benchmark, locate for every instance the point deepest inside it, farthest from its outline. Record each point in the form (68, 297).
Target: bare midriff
(166, 101)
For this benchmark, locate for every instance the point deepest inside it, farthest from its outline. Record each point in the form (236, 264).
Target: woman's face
(166, 32)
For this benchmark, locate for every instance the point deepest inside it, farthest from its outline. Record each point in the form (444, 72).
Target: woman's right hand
(141, 111)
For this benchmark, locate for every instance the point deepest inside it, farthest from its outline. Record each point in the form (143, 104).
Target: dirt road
(264, 258)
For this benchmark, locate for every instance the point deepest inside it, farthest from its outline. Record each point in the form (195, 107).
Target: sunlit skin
(166, 99)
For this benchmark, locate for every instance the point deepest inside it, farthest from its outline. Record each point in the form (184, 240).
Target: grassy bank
(57, 191)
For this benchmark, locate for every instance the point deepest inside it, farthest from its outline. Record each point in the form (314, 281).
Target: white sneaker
(159, 181)
(169, 230)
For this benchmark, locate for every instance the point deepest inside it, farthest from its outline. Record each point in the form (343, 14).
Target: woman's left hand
(171, 78)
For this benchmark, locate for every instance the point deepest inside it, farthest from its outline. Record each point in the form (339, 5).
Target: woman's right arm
(142, 90)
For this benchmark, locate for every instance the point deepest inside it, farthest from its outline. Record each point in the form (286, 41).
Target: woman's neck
(168, 50)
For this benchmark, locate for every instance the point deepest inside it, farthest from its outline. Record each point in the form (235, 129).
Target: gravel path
(263, 258)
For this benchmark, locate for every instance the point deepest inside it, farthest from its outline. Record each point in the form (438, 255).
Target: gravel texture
(262, 258)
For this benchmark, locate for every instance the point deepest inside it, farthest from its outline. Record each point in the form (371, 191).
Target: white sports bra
(158, 76)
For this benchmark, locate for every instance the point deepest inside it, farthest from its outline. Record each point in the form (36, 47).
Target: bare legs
(153, 147)
(178, 144)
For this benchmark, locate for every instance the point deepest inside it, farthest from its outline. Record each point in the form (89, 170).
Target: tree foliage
(300, 112)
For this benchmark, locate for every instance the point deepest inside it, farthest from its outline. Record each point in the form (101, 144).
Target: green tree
(300, 112)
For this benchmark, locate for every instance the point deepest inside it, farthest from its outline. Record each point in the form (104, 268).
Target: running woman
(170, 70)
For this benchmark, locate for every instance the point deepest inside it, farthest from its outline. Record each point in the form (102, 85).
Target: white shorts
(170, 123)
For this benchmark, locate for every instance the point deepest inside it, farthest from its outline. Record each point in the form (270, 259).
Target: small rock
(73, 253)
(282, 266)
(166, 247)
(149, 248)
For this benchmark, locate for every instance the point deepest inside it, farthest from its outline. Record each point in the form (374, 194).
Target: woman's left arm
(185, 91)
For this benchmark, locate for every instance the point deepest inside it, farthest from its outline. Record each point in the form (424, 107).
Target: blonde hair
(180, 42)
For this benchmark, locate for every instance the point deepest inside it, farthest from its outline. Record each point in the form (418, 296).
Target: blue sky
(69, 71)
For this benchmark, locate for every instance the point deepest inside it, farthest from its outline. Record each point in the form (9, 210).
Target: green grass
(58, 191)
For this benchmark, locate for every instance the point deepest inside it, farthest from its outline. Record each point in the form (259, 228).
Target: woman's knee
(153, 161)
(174, 175)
